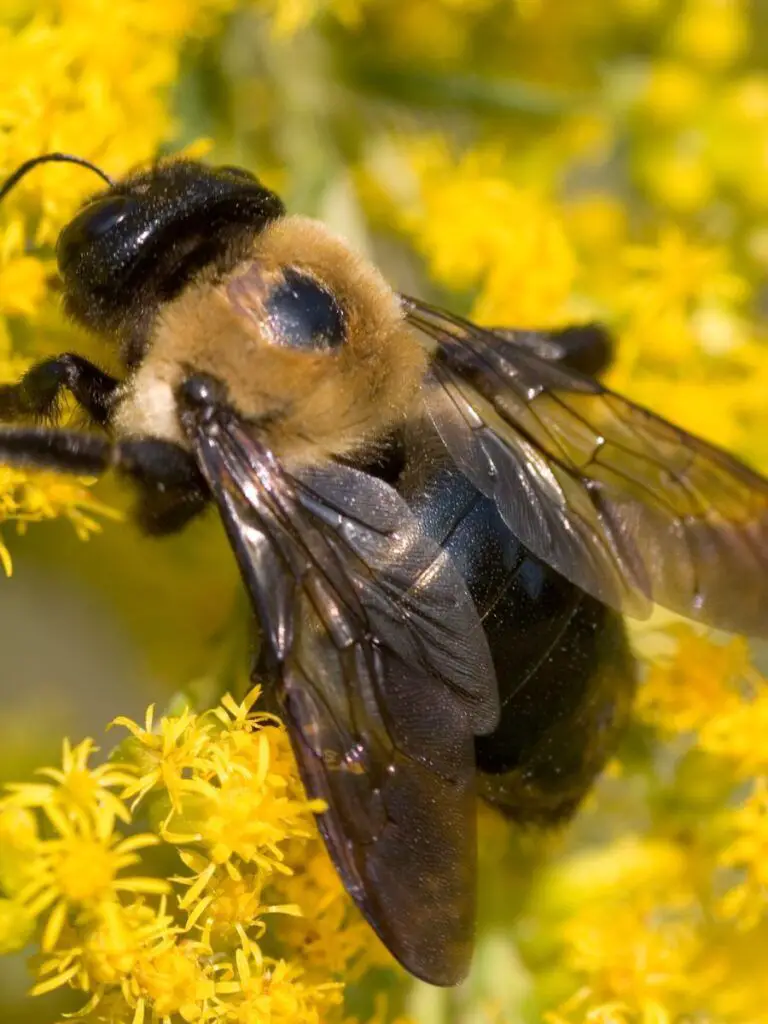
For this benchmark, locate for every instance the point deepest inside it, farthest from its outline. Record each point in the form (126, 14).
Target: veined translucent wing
(384, 676)
(625, 505)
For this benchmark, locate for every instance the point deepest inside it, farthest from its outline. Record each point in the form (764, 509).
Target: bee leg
(587, 348)
(171, 488)
(38, 393)
(64, 451)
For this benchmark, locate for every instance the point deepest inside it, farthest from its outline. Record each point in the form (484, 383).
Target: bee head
(135, 245)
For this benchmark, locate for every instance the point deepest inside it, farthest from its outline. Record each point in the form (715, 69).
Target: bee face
(137, 244)
(307, 338)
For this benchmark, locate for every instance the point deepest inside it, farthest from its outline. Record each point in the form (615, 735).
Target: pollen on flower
(678, 271)
(235, 821)
(475, 225)
(259, 986)
(647, 965)
(114, 111)
(74, 788)
(33, 498)
(700, 680)
(163, 755)
(673, 92)
(175, 979)
(711, 31)
(746, 900)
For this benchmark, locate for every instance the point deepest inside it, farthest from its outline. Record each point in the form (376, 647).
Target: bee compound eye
(93, 223)
(304, 314)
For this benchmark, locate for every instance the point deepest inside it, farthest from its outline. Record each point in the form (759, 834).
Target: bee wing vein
(622, 503)
(385, 676)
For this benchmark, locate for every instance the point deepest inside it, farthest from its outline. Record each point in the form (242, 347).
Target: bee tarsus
(38, 393)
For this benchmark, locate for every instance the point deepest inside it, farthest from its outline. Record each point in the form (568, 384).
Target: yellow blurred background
(524, 162)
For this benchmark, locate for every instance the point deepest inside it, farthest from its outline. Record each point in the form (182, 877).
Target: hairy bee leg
(64, 451)
(39, 390)
(171, 488)
(153, 462)
(587, 348)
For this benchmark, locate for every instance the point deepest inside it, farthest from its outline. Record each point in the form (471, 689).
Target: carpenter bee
(439, 526)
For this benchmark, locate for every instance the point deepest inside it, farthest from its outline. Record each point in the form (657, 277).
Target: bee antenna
(57, 158)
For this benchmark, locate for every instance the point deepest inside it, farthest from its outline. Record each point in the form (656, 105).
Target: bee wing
(628, 507)
(384, 675)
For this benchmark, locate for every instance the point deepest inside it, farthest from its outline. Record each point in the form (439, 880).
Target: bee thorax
(149, 407)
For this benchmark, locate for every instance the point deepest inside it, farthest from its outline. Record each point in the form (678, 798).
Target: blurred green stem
(485, 95)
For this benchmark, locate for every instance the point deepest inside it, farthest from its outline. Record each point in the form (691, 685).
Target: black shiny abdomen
(565, 672)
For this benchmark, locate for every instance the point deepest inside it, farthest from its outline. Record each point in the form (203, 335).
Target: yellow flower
(245, 815)
(77, 870)
(100, 950)
(62, 89)
(265, 989)
(673, 92)
(739, 134)
(16, 926)
(714, 32)
(228, 776)
(635, 958)
(32, 498)
(700, 681)
(81, 869)
(22, 284)
(476, 227)
(75, 787)
(735, 732)
(118, 937)
(629, 868)
(747, 900)
(613, 1012)
(67, 869)
(163, 756)
(228, 905)
(173, 979)
(677, 272)
(678, 178)
(334, 938)
(19, 839)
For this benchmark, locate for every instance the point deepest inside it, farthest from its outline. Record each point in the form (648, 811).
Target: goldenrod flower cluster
(526, 162)
(229, 822)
